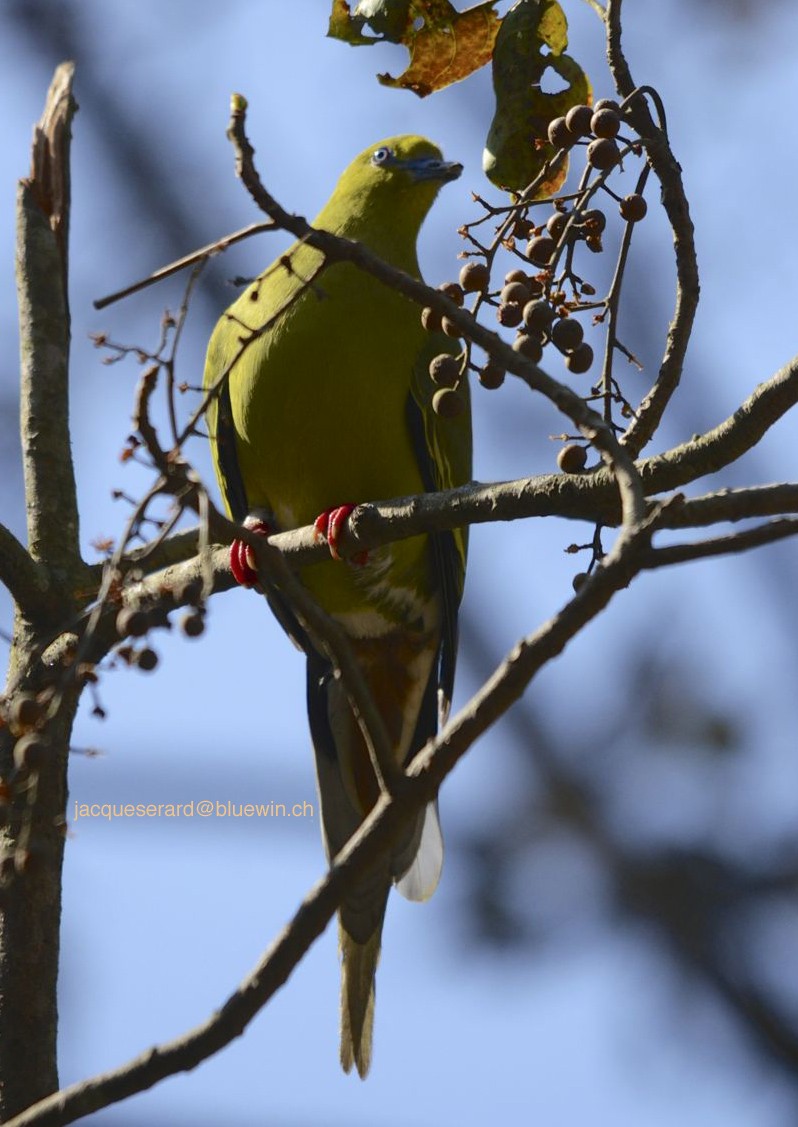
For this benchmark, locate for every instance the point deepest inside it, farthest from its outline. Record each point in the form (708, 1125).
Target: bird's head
(391, 183)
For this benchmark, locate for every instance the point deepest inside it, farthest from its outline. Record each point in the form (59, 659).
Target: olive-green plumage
(325, 400)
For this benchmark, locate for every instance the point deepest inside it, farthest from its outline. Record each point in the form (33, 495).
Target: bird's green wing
(443, 450)
(219, 417)
(256, 307)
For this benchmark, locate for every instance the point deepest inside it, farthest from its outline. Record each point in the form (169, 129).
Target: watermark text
(204, 808)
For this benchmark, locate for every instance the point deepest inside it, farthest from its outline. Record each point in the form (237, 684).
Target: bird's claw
(242, 561)
(329, 526)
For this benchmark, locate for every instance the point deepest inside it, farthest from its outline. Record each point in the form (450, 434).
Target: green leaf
(532, 38)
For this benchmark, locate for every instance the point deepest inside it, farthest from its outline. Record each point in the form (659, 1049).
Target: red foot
(330, 524)
(242, 562)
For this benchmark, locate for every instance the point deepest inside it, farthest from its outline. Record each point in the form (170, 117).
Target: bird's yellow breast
(319, 404)
(321, 413)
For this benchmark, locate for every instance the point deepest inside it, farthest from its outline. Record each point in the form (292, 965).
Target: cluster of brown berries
(24, 714)
(446, 370)
(585, 225)
(137, 621)
(602, 123)
(523, 306)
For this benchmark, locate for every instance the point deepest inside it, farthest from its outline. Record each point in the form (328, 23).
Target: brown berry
(555, 224)
(475, 277)
(189, 592)
(578, 120)
(528, 346)
(605, 123)
(540, 249)
(633, 208)
(25, 710)
(448, 403)
(603, 153)
(509, 315)
(132, 622)
(567, 334)
(449, 328)
(431, 320)
(572, 458)
(560, 136)
(579, 580)
(594, 221)
(492, 375)
(453, 291)
(538, 316)
(593, 242)
(193, 623)
(515, 293)
(517, 276)
(580, 359)
(606, 104)
(146, 660)
(445, 370)
(587, 289)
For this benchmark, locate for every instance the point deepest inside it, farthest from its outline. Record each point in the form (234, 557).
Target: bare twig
(722, 545)
(674, 200)
(196, 256)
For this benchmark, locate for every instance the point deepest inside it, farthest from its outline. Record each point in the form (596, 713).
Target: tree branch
(43, 216)
(34, 822)
(722, 545)
(383, 825)
(183, 263)
(674, 200)
(25, 579)
(728, 441)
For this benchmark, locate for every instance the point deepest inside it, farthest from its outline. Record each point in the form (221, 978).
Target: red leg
(330, 524)
(242, 563)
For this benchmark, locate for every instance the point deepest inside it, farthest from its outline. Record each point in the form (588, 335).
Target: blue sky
(162, 918)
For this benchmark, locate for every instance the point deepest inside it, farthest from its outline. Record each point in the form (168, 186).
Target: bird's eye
(381, 156)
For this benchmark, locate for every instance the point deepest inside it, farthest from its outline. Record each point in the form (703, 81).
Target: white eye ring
(381, 156)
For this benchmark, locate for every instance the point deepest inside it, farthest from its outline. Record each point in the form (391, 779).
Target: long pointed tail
(359, 967)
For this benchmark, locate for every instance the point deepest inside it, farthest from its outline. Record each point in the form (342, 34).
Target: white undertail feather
(421, 879)
(359, 967)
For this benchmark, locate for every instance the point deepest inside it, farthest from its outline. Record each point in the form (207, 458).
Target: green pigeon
(324, 398)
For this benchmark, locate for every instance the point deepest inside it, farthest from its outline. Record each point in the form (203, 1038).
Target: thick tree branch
(33, 829)
(26, 580)
(43, 215)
